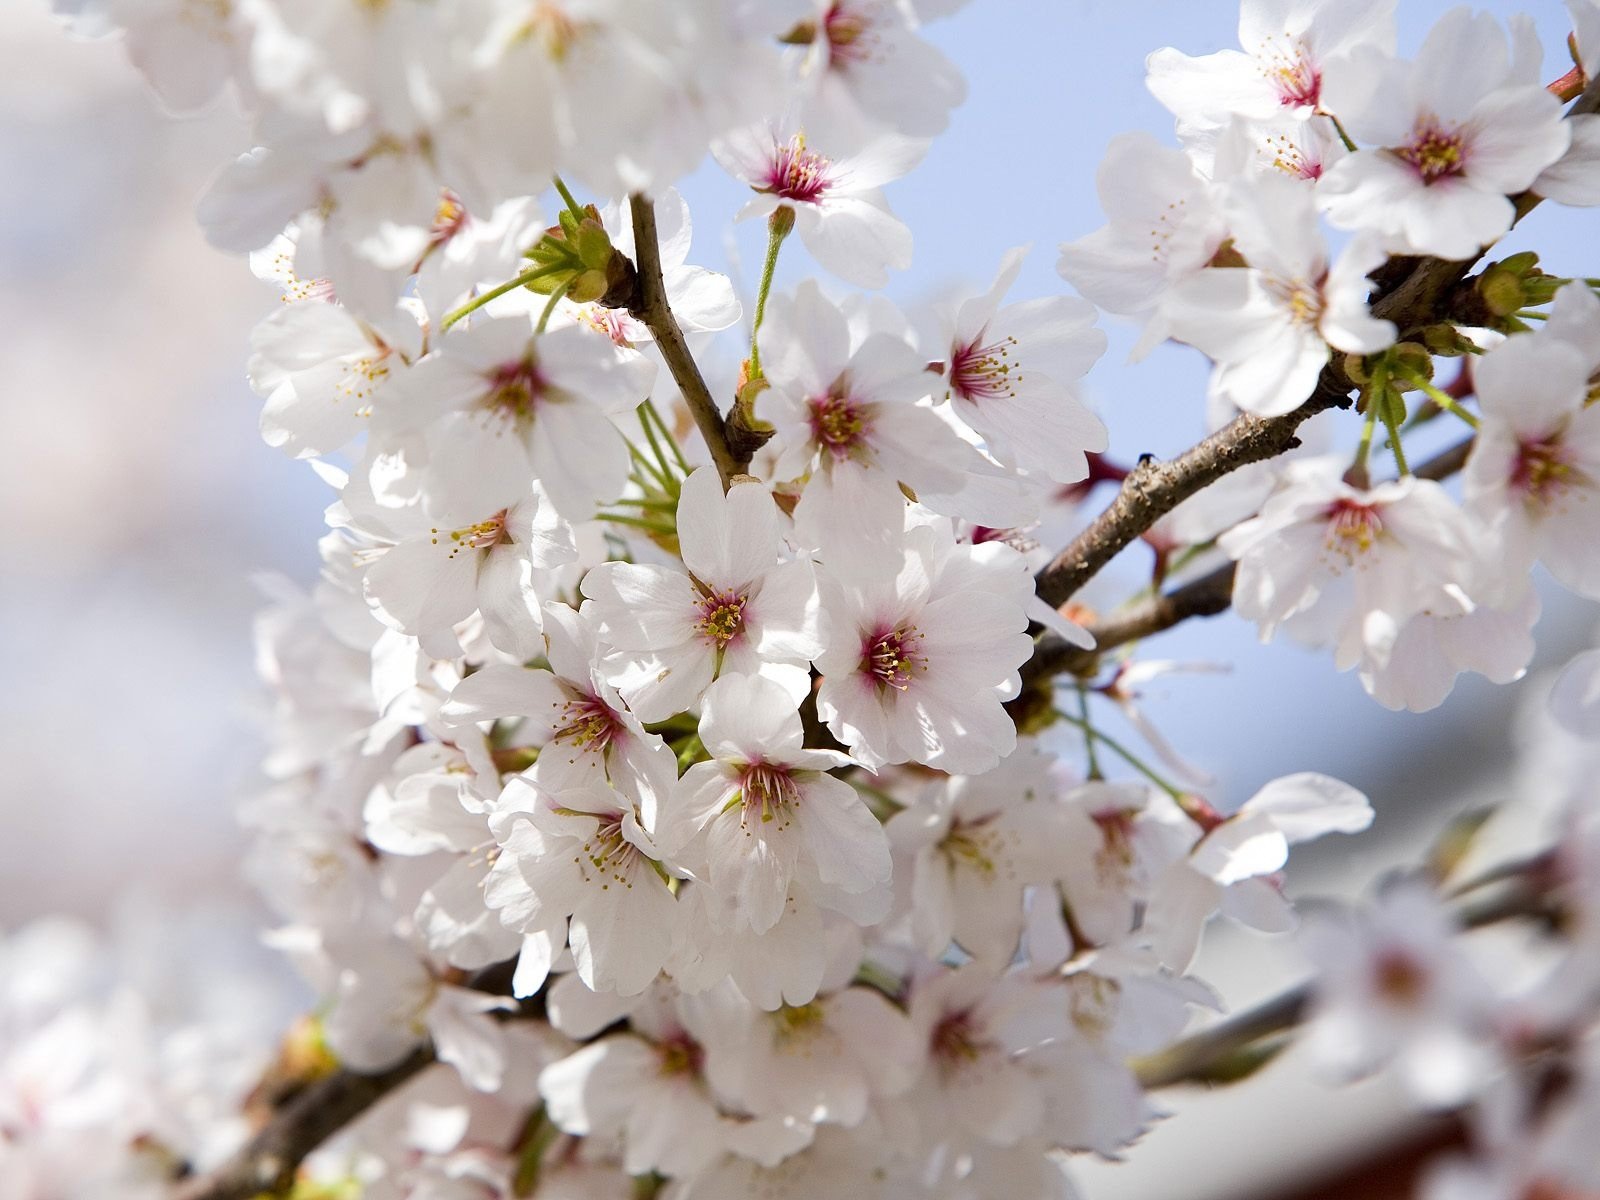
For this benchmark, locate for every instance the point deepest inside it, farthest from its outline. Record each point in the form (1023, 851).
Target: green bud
(1407, 359)
(593, 245)
(587, 286)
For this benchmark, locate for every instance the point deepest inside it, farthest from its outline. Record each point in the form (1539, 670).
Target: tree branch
(1207, 596)
(650, 306)
(268, 1162)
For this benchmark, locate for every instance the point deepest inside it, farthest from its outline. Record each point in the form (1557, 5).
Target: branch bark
(1207, 596)
(651, 307)
(268, 1162)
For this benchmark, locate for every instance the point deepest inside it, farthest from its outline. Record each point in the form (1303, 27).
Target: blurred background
(139, 503)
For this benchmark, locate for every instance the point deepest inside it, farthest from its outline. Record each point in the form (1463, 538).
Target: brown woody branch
(650, 306)
(266, 1165)
(1207, 596)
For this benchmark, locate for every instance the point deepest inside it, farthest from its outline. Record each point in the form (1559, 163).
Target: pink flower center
(1433, 152)
(984, 372)
(680, 1055)
(770, 794)
(1399, 978)
(1290, 72)
(849, 33)
(893, 658)
(589, 723)
(956, 1043)
(514, 389)
(449, 218)
(798, 174)
(1352, 528)
(485, 535)
(612, 322)
(721, 617)
(1541, 472)
(838, 423)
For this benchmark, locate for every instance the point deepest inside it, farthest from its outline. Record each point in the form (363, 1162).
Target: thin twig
(650, 306)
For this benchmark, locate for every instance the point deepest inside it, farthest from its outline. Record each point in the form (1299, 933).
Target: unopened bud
(593, 245)
(587, 286)
(781, 221)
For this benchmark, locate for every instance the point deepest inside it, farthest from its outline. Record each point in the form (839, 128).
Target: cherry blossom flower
(1323, 557)
(864, 66)
(549, 391)
(1462, 128)
(1164, 225)
(838, 205)
(849, 419)
(1534, 473)
(916, 665)
(974, 845)
(1010, 373)
(733, 607)
(1269, 326)
(1287, 46)
(763, 821)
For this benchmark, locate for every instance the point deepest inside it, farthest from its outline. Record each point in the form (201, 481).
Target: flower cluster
(702, 821)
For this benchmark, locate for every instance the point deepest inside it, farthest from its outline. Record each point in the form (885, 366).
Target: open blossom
(734, 607)
(838, 205)
(1393, 986)
(1010, 373)
(1287, 45)
(1534, 473)
(1163, 225)
(862, 66)
(326, 376)
(1323, 556)
(916, 665)
(578, 861)
(848, 410)
(583, 730)
(472, 544)
(1458, 131)
(1232, 867)
(973, 845)
(546, 392)
(646, 1091)
(763, 823)
(1269, 325)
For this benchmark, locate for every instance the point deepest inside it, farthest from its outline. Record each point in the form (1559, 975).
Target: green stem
(1091, 734)
(672, 442)
(572, 205)
(655, 445)
(651, 468)
(1393, 426)
(777, 230)
(1343, 136)
(1442, 398)
(1364, 446)
(637, 522)
(493, 293)
(1527, 314)
(550, 306)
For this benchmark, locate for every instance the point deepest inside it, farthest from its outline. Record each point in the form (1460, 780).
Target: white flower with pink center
(1011, 373)
(838, 205)
(733, 607)
(916, 665)
(763, 824)
(1287, 45)
(1163, 225)
(545, 393)
(583, 730)
(1323, 557)
(864, 67)
(1459, 130)
(1534, 472)
(849, 412)
(471, 544)
(576, 865)
(1269, 325)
